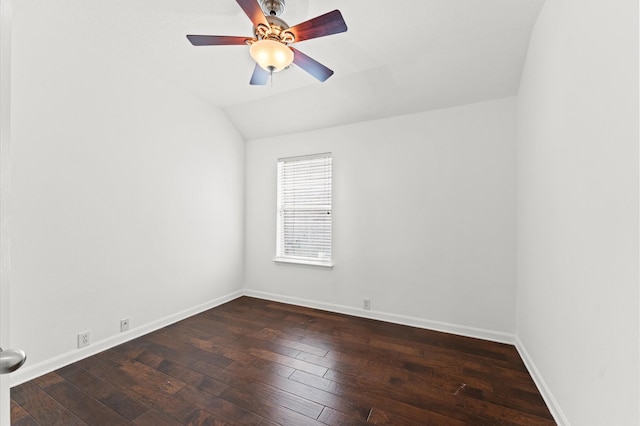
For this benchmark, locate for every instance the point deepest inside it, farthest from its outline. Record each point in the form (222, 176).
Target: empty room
(296, 212)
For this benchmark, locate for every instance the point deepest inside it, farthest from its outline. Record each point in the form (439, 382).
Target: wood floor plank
(284, 339)
(382, 417)
(200, 417)
(330, 416)
(310, 393)
(218, 407)
(258, 390)
(148, 395)
(19, 417)
(262, 363)
(149, 377)
(42, 407)
(85, 407)
(380, 396)
(109, 395)
(295, 363)
(274, 412)
(185, 374)
(155, 418)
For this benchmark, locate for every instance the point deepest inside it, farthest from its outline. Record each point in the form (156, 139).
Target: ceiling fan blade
(310, 65)
(320, 26)
(211, 40)
(260, 76)
(253, 11)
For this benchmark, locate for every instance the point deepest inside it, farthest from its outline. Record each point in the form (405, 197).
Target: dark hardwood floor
(255, 362)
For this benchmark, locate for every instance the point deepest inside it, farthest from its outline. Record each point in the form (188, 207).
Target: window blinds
(304, 208)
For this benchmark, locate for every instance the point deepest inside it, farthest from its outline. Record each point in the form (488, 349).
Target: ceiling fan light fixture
(271, 55)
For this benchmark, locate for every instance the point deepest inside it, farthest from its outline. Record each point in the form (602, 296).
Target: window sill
(322, 265)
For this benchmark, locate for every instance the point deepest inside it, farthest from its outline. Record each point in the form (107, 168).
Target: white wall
(126, 197)
(424, 219)
(577, 317)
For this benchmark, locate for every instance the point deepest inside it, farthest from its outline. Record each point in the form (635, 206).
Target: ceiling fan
(272, 37)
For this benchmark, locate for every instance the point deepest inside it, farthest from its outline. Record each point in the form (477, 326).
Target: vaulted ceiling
(396, 57)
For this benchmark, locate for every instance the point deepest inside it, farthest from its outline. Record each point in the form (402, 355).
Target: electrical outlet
(124, 324)
(84, 339)
(366, 304)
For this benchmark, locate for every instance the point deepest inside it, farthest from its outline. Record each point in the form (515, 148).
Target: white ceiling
(396, 57)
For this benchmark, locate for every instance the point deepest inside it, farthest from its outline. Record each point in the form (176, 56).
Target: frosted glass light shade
(270, 53)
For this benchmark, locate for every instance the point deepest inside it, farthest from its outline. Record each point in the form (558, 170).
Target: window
(304, 210)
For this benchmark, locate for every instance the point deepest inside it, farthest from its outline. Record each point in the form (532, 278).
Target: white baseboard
(30, 372)
(549, 399)
(478, 333)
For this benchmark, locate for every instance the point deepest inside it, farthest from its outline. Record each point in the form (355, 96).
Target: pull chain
(271, 68)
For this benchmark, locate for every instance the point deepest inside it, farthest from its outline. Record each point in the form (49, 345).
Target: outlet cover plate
(124, 324)
(84, 339)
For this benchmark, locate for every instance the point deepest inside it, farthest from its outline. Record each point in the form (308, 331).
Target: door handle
(11, 360)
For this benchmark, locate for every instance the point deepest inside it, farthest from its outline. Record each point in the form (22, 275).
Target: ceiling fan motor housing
(272, 7)
(275, 31)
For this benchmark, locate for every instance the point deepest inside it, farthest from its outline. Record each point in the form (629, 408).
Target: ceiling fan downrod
(272, 7)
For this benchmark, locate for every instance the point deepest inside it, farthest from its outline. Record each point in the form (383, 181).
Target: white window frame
(297, 184)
